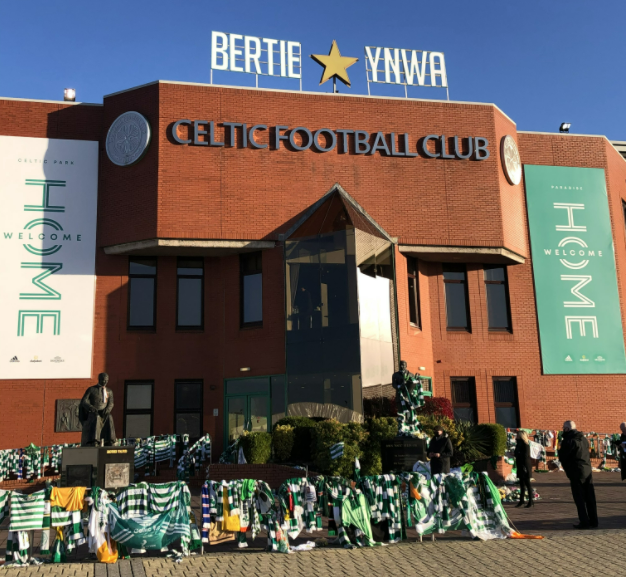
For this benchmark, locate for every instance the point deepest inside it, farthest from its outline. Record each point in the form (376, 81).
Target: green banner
(580, 322)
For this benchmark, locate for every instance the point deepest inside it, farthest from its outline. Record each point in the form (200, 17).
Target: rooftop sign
(405, 67)
(254, 55)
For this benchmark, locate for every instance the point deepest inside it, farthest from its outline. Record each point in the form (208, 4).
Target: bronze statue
(95, 414)
(409, 398)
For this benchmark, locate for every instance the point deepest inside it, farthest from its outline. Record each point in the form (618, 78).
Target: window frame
(412, 272)
(131, 276)
(128, 411)
(473, 404)
(199, 327)
(242, 274)
(504, 282)
(501, 405)
(200, 410)
(468, 328)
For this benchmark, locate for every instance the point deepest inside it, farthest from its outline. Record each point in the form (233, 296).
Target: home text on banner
(580, 323)
(254, 55)
(48, 190)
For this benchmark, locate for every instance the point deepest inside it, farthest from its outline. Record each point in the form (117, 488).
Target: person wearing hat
(439, 452)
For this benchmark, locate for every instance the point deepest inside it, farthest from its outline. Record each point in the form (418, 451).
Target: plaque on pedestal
(106, 467)
(401, 453)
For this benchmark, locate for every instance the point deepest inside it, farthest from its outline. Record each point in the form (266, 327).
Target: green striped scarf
(4, 504)
(17, 548)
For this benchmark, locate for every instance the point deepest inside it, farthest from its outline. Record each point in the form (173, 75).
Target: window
(464, 398)
(505, 397)
(188, 408)
(414, 292)
(457, 301)
(497, 290)
(142, 293)
(624, 211)
(251, 289)
(138, 409)
(190, 275)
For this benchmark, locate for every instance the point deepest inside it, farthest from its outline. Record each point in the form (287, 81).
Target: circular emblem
(511, 162)
(128, 138)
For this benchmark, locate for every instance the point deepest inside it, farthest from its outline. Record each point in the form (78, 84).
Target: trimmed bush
(257, 447)
(496, 438)
(379, 429)
(438, 406)
(283, 438)
(303, 437)
(328, 433)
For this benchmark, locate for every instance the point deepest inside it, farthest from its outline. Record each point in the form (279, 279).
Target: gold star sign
(335, 65)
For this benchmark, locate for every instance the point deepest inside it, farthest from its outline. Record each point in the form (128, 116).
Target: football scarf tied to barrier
(30, 462)
(143, 517)
(51, 509)
(392, 503)
(198, 453)
(601, 445)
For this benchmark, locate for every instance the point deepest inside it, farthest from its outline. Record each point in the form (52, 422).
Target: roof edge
(309, 92)
(566, 134)
(67, 102)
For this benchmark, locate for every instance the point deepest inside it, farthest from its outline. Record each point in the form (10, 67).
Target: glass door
(258, 413)
(236, 417)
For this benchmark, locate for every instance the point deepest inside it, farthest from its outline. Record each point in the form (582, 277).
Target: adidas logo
(14, 360)
(568, 358)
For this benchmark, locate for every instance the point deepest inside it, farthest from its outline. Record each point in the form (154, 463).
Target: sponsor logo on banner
(48, 190)
(574, 271)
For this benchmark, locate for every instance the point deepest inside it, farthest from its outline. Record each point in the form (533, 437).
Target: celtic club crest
(128, 139)
(511, 162)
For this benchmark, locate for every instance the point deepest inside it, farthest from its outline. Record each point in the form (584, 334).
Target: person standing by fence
(574, 455)
(622, 451)
(524, 467)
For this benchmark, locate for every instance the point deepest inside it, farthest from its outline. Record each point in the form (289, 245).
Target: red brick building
(220, 242)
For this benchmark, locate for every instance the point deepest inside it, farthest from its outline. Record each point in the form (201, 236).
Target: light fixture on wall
(564, 128)
(69, 95)
(244, 369)
(421, 368)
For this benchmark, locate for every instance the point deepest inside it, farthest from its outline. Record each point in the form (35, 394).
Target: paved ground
(563, 551)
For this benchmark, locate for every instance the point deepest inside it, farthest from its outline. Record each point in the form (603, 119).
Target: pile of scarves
(142, 517)
(467, 501)
(30, 462)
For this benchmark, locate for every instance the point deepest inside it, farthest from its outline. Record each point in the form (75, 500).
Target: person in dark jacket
(574, 457)
(622, 450)
(524, 468)
(439, 451)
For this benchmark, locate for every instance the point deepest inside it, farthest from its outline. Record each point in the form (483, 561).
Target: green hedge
(328, 433)
(303, 437)
(257, 447)
(379, 429)
(283, 439)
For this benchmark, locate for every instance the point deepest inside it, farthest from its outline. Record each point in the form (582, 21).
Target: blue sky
(542, 62)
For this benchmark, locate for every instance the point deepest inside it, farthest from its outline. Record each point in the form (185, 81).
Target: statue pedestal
(401, 453)
(106, 467)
